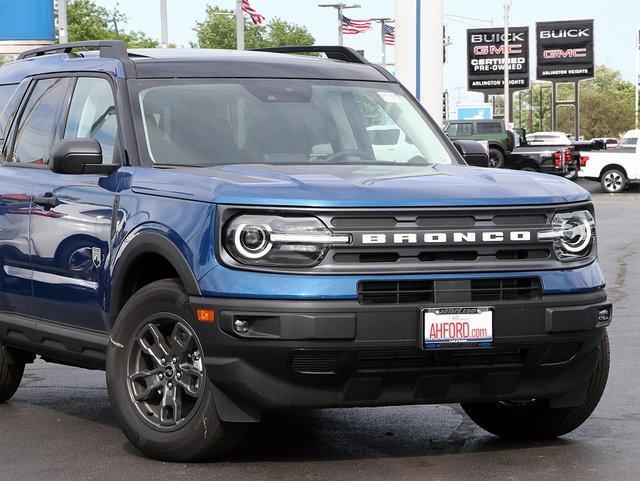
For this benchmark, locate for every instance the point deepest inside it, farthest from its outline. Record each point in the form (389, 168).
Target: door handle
(48, 201)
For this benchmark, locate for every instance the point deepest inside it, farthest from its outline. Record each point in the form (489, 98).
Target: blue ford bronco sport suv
(230, 233)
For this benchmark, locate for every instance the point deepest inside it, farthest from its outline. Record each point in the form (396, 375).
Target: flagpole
(239, 25)
(638, 80)
(164, 29)
(383, 23)
(339, 7)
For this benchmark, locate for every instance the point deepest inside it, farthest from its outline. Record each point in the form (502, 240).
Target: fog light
(604, 315)
(241, 326)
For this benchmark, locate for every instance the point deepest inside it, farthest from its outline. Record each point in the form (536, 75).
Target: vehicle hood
(357, 185)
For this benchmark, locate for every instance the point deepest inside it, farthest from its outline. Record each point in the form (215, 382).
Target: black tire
(572, 175)
(201, 434)
(496, 158)
(613, 180)
(536, 420)
(11, 371)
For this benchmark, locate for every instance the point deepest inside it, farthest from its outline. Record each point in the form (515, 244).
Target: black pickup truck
(560, 159)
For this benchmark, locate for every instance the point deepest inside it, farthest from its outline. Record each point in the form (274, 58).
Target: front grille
(396, 292)
(427, 240)
(432, 292)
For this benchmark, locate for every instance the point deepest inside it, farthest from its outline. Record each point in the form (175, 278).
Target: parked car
(500, 140)
(548, 138)
(615, 170)
(629, 141)
(251, 251)
(609, 143)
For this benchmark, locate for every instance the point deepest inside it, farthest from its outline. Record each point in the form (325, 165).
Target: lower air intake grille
(315, 361)
(396, 292)
(432, 292)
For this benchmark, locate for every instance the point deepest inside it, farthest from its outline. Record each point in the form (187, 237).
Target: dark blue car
(228, 233)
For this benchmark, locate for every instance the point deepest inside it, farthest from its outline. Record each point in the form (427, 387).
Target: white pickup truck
(615, 169)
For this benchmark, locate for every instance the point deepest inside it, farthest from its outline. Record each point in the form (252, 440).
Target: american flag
(353, 27)
(256, 17)
(389, 35)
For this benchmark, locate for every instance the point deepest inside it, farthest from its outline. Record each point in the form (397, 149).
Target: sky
(616, 26)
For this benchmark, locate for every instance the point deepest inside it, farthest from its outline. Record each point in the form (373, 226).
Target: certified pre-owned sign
(565, 50)
(485, 54)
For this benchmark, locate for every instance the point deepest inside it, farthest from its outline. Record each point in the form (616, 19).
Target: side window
(9, 110)
(460, 130)
(36, 130)
(93, 115)
(489, 128)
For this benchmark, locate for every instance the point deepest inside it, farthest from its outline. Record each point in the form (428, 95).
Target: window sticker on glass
(389, 97)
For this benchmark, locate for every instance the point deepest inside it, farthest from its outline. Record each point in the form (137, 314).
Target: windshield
(196, 122)
(629, 141)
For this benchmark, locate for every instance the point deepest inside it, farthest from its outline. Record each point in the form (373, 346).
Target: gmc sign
(565, 50)
(485, 59)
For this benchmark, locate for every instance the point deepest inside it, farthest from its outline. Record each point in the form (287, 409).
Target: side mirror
(473, 152)
(79, 156)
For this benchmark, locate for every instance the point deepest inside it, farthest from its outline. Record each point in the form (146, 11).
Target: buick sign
(485, 53)
(565, 50)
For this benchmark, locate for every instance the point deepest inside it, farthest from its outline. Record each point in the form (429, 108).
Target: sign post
(565, 53)
(488, 51)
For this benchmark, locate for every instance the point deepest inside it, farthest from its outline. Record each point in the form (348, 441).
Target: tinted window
(6, 91)
(262, 121)
(36, 131)
(384, 137)
(489, 128)
(8, 110)
(629, 141)
(460, 130)
(93, 115)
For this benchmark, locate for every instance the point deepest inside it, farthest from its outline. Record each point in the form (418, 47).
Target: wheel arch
(613, 166)
(168, 260)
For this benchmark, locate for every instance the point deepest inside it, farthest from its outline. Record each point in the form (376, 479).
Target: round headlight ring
(583, 238)
(244, 233)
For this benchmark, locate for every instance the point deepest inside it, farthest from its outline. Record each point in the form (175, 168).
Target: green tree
(88, 21)
(218, 30)
(606, 106)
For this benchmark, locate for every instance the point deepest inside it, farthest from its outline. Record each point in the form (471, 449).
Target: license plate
(451, 327)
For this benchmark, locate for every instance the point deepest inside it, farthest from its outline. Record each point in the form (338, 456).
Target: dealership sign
(485, 54)
(565, 50)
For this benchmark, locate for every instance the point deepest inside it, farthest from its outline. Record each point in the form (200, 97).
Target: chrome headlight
(270, 240)
(573, 235)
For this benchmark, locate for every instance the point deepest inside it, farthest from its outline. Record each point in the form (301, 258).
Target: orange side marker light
(206, 315)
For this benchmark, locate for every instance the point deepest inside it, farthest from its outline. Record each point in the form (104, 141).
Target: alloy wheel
(613, 181)
(165, 372)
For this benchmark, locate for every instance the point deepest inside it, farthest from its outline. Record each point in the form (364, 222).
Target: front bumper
(342, 353)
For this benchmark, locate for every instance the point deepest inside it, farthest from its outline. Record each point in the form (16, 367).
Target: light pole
(637, 79)
(63, 32)
(164, 29)
(383, 24)
(507, 100)
(339, 7)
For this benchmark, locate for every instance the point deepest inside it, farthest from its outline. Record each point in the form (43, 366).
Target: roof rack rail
(108, 49)
(345, 54)
(115, 49)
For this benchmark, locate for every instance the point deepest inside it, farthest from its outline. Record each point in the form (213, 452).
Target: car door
(70, 222)
(34, 107)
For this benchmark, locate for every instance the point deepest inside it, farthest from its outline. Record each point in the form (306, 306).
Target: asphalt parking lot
(59, 426)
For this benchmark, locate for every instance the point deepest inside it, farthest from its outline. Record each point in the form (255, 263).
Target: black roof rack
(115, 49)
(108, 49)
(345, 54)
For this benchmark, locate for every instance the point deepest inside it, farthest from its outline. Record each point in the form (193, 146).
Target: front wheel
(613, 180)
(157, 381)
(496, 158)
(535, 420)
(11, 371)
